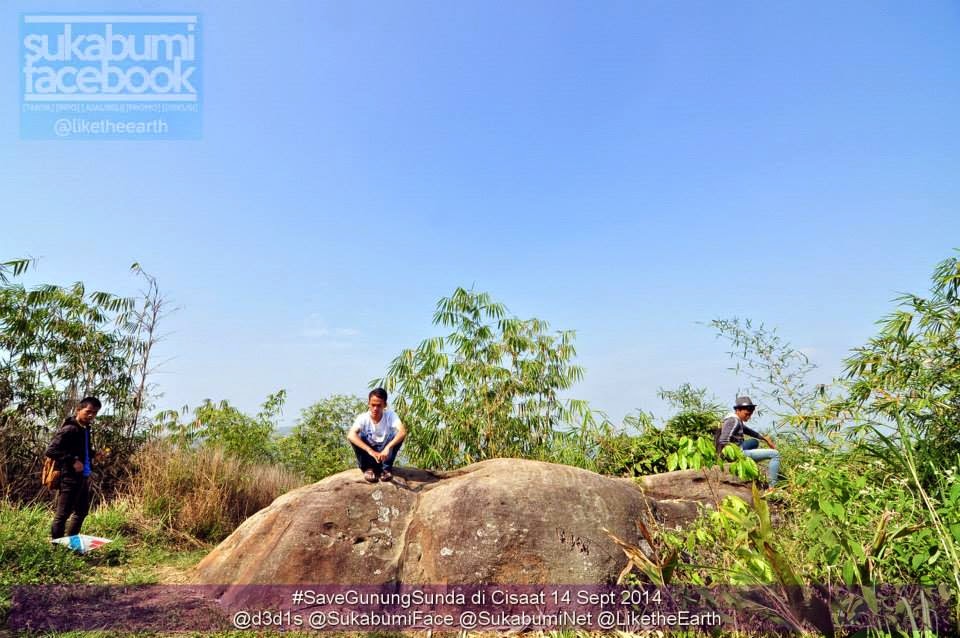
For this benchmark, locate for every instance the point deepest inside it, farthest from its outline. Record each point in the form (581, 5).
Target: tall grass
(203, 492)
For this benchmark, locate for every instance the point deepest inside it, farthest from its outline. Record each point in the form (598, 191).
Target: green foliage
(240, 435)
(318, 446)
(693, 424)
(860, 522)
(26, 555)
(905, 395)
(911, 371)
(57, 344)
(846, 520)
(13, 268)
(221, 425)
(619, 453)
(737, 528)
(700, 453)
(490, 388)
(938, 497)
(641, 448)
(692, 454)
(877, 503)
(631, 450)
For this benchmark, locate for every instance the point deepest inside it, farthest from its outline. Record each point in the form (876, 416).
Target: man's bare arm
(398, 439)
(354, 437)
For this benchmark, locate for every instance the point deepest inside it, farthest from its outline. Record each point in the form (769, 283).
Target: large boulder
(499, 521)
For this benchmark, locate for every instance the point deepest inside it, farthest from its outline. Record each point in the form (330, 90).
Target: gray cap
(743, 402)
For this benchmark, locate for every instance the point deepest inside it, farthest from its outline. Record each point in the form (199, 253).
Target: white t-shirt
(376, 432)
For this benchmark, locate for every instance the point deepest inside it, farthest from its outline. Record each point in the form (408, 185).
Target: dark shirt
(68, 445)
(733, 430)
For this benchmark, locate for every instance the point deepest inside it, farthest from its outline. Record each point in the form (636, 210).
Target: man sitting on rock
(376, 437)
(733, 430)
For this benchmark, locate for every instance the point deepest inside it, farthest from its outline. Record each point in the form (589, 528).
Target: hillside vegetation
(871, 462)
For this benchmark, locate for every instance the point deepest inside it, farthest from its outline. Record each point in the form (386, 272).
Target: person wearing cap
(733, 430)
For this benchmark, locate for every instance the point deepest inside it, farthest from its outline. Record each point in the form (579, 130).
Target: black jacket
(67, 446)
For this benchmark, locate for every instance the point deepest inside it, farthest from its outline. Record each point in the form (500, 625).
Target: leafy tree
(910, 371)
(57, 344)
(318, 446)
(490, 388)
(222, 425)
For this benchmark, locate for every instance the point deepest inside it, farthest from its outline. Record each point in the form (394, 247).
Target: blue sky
(624, 169)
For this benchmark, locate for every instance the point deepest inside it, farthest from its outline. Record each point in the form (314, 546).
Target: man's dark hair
(378, 392)
(93, 402)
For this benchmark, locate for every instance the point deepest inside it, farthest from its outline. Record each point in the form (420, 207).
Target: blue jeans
(749, 447)
(366, 462)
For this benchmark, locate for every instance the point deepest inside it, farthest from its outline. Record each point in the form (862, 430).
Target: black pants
(366, 462)
(73, 502)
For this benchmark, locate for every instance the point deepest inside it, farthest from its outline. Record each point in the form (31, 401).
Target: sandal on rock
(386, 475)
(369, 476)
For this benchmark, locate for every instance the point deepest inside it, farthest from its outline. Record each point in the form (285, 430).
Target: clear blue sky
(624, 169)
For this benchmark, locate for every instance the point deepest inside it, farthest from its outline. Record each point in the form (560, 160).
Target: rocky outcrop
(499, 521)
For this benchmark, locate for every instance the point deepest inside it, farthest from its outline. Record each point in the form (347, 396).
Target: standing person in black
(72, 451)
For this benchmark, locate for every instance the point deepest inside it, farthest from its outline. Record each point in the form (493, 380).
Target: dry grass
(203, 492)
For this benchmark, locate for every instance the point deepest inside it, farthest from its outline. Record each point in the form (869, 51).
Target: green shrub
(220, 425)
(618, 453)
(318, 445)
